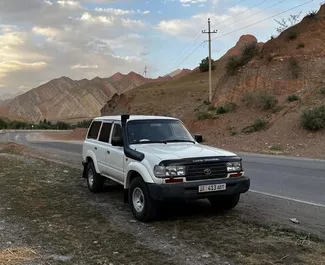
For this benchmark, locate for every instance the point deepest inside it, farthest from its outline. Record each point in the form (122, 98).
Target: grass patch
(17, 256)
(247, 54)
(204, 115)
(314, 119)
(300, 45)
(261, 100)
(227, 108)
(292, 35)
(292, 98)
(276, 148)
(258, 125)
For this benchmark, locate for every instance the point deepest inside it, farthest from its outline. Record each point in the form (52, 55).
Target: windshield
(157, 131)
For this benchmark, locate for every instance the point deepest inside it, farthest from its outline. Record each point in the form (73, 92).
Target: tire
(143, 207)
(227, 202)
(95, 182)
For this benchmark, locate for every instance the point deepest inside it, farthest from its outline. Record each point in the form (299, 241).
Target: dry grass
(17, 256)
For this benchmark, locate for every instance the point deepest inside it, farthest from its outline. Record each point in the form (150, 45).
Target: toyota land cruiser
(156, 159)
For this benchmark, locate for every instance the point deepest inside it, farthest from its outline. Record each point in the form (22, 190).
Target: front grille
(201, 171)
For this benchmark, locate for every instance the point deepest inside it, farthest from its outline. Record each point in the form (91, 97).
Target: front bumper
(189, 190)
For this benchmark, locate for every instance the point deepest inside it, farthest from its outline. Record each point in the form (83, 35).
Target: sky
(45, 39)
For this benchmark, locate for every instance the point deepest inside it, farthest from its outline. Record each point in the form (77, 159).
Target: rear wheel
(226, 202)
(95, 182)
(143, 207)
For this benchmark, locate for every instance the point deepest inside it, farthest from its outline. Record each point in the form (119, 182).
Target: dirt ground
(47, 216)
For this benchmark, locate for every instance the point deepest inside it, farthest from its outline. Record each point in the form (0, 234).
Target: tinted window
(94, 130)
(117, 131)
(105, 132)
(157, 131)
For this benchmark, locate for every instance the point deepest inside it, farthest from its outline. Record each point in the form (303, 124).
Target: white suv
(156, 159)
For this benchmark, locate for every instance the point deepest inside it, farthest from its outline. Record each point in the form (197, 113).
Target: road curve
(297, 179)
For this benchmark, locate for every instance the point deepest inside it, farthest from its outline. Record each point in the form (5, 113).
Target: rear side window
(117, 131)
(105, 132)
(94, 130)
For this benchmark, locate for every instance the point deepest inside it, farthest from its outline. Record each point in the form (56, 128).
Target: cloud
(42, 39)
(121, 12)
(80, 66)
(69, 4)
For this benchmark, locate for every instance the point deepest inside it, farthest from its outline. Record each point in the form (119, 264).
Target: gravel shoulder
(48, 216)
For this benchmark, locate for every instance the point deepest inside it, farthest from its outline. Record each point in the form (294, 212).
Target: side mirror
(117, 141)
(198, 138)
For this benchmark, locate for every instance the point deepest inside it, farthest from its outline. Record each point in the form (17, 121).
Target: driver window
(117, 132)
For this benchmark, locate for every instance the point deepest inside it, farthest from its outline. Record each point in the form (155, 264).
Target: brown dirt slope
(291, 64)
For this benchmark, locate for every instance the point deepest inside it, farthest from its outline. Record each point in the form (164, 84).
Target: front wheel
(225, 202)
(143, 207)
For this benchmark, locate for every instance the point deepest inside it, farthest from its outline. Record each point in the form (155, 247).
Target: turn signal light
(174, 180)
(236, 175)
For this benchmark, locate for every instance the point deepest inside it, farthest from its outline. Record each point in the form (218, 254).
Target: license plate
(212, 187)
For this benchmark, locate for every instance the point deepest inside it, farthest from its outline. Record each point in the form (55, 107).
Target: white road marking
(287, 198)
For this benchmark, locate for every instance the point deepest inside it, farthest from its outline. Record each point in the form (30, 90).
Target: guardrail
(12, 130)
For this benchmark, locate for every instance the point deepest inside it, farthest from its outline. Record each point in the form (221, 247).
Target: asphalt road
(284, 187)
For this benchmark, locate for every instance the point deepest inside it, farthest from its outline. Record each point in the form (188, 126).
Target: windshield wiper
(179, 141)
(150, 142)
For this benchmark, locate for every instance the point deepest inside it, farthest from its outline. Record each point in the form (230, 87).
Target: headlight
(169, 171)
(234, 166)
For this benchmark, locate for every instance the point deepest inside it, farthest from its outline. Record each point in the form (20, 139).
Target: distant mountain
(178, 72)
(67, 99)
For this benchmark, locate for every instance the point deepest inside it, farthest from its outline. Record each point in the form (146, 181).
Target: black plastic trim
(130, 153)
(200, 160)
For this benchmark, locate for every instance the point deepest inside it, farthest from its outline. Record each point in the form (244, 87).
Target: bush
(322, 91)
(262, 100)
(312, 15)
(258, 125)
(204, 65)
(276, 148)
(292, 35)
(294, 67)
(204, 115)
(314, 119)
(293, 98)
(300, 45)
(228, 107)
(247, 54)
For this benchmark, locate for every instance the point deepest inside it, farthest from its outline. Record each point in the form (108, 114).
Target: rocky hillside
(66, 99)
(260, 93)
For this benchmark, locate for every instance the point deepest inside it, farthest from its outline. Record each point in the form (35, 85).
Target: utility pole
(145, 72)
(210, 66)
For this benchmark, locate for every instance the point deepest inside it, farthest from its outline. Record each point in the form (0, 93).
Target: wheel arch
(137, 170)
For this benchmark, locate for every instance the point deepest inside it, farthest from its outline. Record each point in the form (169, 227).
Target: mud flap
(126, 196)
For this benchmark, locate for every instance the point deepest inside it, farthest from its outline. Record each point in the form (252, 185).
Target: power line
(257, 12)
(188, 55)
(262, 20)
(262, 2)
(197, 35)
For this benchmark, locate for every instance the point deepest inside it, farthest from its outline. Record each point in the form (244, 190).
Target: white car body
(112, 162)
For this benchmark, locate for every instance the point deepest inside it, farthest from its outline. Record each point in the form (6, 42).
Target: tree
(286, 23)
(204, 65)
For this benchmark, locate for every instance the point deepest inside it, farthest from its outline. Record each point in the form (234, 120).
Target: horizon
(91, 36)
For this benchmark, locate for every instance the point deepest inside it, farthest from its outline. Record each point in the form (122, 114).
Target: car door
(91, 143)
(116, 158)
(104, 147)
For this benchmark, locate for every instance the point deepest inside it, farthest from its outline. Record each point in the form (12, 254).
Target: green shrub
(322, 91)
(300, 45)
(312, 15)
(292, 98)
(258, 125)
(204, 115)
(262, 100)
(247, 54)
(292, 35)
(204, 65)
(314, 119)
(228, 107)
(276, 148)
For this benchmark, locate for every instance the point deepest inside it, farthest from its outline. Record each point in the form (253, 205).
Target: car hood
(180, 150)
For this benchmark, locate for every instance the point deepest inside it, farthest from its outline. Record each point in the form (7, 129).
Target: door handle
(108, 152)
